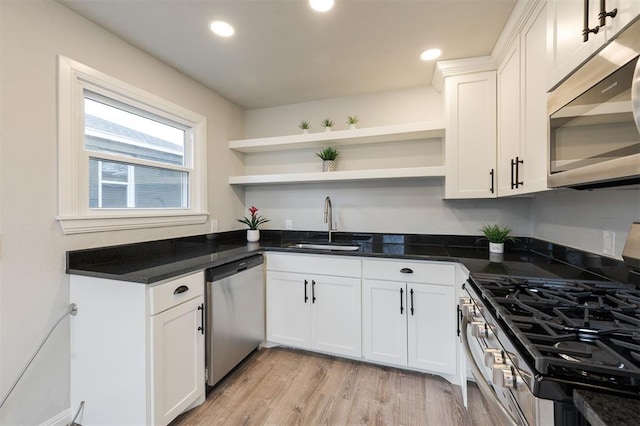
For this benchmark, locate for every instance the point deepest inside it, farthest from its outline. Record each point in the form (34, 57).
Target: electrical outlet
(214, 225)
(288, 224)
(608, 242)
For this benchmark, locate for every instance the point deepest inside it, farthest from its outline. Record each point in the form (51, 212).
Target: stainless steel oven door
(497, 369)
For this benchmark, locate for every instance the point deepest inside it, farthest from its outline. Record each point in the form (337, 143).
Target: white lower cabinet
(409, 316)
(177, 359)
(314, 311)
(137, 351)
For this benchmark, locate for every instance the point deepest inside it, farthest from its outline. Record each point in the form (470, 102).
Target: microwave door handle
(484, 386)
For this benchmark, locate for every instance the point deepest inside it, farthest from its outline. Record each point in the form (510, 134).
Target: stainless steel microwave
(594, 119)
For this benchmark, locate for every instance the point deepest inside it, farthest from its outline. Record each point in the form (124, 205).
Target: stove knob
(492, 357)
(468, 309)
(480, 329)
(504, 376)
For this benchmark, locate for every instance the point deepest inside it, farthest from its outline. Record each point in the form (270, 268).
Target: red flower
(253, 210)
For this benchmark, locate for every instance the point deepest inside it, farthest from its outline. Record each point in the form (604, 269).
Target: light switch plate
(288, 224)
(608, 242)
(214, 225)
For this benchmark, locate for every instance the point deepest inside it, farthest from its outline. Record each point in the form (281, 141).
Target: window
(127, 159)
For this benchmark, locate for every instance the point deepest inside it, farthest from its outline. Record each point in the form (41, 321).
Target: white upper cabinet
(566, 47)
(522, 110)
(470, 108)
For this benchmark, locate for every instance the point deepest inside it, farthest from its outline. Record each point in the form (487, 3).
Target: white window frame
(74, 214)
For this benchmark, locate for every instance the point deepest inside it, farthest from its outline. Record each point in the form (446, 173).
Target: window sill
(86, 224)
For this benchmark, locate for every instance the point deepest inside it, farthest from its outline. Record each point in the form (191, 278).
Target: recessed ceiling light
(430, 54)
(321, 5)
(221, 28)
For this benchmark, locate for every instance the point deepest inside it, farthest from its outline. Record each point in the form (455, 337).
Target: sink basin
(325, 247)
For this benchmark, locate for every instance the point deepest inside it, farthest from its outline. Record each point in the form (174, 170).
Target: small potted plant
(328, 156)
(253, 233)
(304, 125)
(497, 236)
(352, 120)
(327, 124)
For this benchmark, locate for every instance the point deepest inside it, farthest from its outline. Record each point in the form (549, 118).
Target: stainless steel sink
(325, 247)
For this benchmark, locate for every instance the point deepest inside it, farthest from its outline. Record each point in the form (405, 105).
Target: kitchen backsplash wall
(579, 218)
(414, 206)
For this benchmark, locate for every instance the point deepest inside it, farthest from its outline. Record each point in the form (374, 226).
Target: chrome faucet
(328, 216)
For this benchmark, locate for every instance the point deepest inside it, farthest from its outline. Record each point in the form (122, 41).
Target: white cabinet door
(627, 11)
(533, 39)
(509, 106)
(432, 328)
(177, 360)
(335, 315)
(384, 321)
(470, 108)
(566, 48)
(288, 309)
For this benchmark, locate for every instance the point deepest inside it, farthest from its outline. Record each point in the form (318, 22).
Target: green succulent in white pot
(328, 156)
(497, 236)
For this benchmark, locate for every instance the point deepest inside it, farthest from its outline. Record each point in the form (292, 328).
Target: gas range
(580, 333)
(531, 341)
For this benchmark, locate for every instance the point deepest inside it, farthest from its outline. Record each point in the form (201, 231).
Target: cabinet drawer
(171, 293)
(310, 264)
(422, 272)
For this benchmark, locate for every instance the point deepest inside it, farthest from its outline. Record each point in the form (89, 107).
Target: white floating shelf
(339, 176)
(400, 132)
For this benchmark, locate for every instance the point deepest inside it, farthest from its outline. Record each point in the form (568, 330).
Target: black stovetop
(576, 331)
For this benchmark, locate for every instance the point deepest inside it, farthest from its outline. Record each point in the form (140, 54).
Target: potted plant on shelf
(304, 125)
(497, 236)
(328, 156)
(352, 120)
(253, 233)
(327, 124)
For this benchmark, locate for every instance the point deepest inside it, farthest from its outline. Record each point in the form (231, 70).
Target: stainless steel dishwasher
(235, 304)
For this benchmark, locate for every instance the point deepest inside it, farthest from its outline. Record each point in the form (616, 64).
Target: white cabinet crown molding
(514, 26)
(457, 67)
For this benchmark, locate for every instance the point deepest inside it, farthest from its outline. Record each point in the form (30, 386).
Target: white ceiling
(284, 52)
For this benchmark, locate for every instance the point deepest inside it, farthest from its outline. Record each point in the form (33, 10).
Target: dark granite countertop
(154, 261)
(601, 409)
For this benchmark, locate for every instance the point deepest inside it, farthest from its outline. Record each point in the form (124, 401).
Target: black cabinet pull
(518, 162)
(492, 174)
(313, 291)
(411, 293)
(201, 309)
(585, 27)
(603, 15)
(401, 301)
(513, 164)
(406, 271)
(306, 283)
(181, 289)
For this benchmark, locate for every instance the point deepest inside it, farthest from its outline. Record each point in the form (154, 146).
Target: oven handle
(484, 386)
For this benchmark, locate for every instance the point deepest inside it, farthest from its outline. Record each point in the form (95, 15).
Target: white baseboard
(61, 419)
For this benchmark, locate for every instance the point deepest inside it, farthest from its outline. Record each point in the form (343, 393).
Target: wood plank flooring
(281, 386)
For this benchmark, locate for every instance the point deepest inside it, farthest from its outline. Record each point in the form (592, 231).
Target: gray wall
(34, 287)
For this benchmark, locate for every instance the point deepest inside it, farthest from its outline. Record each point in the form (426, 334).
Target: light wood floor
(288, 387)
